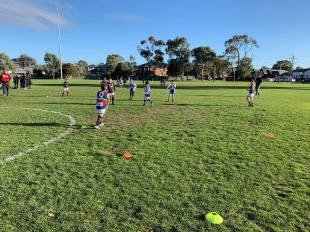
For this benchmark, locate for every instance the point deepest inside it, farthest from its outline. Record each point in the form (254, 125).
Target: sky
(92, 29)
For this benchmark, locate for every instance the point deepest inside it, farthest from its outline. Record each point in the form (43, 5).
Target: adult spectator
(258, 81)
(5, 80)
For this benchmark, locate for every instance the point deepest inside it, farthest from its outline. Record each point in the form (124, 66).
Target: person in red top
(5, 80)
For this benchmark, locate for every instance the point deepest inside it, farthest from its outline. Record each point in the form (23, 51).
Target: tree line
(176, 54)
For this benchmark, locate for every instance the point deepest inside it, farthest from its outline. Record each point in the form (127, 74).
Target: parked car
(269, 80)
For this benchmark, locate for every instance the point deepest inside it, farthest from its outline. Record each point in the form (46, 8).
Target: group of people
(22, 81)
(106, 97)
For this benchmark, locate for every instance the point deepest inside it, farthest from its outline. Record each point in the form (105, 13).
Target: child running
(66, 88)
(102, 105)
(132, 89)
(172, 88)
(147, 96)
(251, 94)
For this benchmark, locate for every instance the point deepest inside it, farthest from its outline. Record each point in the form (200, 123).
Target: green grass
(208, 152)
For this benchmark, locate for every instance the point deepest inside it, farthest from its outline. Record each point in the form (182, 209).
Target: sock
(99, 120)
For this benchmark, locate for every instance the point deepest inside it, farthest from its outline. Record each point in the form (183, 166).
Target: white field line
(52, 140)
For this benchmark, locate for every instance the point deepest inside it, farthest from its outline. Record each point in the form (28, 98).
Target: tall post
(59, 42)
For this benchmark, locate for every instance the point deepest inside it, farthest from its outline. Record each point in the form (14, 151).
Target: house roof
(301, 70)
(279, 71)
(146, 65)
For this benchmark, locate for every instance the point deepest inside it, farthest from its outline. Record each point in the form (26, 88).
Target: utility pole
(59, 42)
(293, 63)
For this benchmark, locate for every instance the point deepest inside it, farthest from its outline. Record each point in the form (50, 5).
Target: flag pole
(59, 42)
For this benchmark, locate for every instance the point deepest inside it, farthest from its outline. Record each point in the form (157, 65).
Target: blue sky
(95, 28)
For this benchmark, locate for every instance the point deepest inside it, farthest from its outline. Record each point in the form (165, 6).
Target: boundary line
(72, 124)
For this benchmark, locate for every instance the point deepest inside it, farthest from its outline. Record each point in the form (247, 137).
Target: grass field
(207, 153)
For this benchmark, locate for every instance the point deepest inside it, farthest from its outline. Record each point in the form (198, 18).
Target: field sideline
(207, 153)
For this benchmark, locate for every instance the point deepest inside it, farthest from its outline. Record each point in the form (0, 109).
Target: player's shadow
(33, 124)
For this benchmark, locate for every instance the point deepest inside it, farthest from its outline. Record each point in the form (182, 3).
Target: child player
(66, 88)
(251, 94)
(102, 104)
(112, 90)
(147, 96)
(132, 89)
(172, 88)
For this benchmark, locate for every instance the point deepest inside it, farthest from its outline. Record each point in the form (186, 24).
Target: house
(97, 72)
(299, 74)
(280, 75)
(306, 77)
(147, 71)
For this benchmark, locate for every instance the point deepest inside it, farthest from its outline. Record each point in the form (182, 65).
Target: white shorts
(102, 111)
(66, 89)
(251, 95)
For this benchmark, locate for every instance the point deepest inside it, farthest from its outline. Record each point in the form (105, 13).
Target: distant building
(300, 74)
(20, 70)
(146, 71)
(97, 72)
(306, 77)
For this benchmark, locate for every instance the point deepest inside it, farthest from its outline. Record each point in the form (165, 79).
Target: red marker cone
(127, 155)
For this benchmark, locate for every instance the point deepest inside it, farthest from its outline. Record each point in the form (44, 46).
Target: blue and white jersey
(132, 86)
(147, 89)
(172, 88)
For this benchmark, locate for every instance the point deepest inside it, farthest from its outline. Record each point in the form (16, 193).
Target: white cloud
(26, 13)
(125, 17)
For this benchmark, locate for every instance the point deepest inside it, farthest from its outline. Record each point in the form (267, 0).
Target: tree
(265, 68)
(6, 64)
(122, 69)
(221, 66)
(112, 62)
(71, 70)
(26, 61)
(203, 57)
(83, 68)
(238, 44)
(179, 54)
(286, 65)
(132, 62)
(52, 63)
(151, 50)
(246, 68)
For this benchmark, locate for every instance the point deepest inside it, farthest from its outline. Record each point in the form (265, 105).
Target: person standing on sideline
(112, 90)
(5, 80)
(258, 82)
(15, 81)
(172, 88)
(132, 88)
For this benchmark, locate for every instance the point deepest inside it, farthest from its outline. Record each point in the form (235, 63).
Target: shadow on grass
(35, 124)
(215, 96)
(71, 85)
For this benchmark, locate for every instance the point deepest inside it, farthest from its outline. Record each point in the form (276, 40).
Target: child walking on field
(102, 105)
(132, 89)
(251, 94)
(147, 96)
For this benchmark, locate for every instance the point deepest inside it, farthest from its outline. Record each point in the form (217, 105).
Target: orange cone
(270, 135)
(127, 155)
